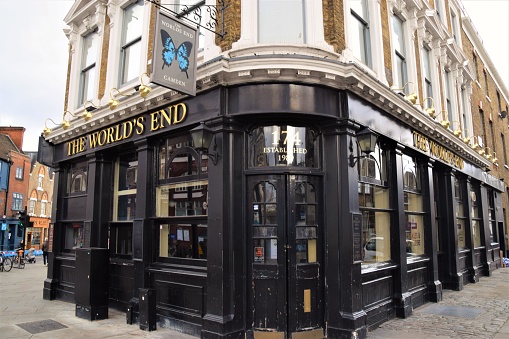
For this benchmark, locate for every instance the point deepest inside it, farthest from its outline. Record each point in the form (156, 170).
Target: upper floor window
(17, 201)
(486, 91)
(499, 103)
(88, 69)
(454, 23)
(39, 182)
(281, 21)
(359, 30)
(448, 103)
(130, 46)
(43, 208)
(504, 148)
(19, 173)
(428, 87)
(476, 69)
(400, 65)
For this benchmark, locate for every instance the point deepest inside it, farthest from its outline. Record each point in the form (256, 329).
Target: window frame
(262, 24)
(87, 78)
(19, 173)
(17, 201)
(400, 73)
(357, 20)
(125, 45)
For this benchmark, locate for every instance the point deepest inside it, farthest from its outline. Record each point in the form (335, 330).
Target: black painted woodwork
(91, 283)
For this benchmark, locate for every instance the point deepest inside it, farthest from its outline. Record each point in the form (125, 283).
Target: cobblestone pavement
(488, 304)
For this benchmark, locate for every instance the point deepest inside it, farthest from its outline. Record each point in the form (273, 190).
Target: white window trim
(116, 14)
(78, 32)
(408, 25)
(313, 31)
(376, 40)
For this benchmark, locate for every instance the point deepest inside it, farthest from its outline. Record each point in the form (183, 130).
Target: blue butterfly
(182, 53)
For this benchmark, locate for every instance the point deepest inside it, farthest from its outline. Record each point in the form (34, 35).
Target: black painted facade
(229, 285)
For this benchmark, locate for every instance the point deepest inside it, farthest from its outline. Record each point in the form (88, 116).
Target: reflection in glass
(183, 240)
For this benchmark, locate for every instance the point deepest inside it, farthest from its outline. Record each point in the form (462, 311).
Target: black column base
(214, 326)
(403, 305)
(435, 291)
(92, 312)
(344, 333)
(49, 291)
(454, 282)
(474, 274)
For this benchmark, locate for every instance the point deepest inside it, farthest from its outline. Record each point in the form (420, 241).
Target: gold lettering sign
(438, 151)
(163, 118)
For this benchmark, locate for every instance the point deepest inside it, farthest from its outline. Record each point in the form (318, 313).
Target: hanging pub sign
(174, 59)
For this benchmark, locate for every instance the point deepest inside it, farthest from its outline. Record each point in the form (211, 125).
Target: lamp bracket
(196, 12)
(214, 155)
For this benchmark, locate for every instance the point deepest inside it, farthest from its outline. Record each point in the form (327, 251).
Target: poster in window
(259, 254)
(273, 248)
(186, 235)
(180, 234)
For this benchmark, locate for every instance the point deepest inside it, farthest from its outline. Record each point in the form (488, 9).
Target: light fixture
(457, 132)
(487, 153)
(46, 130)
(430, 110)
(366, 139)
(445, 123)
(202, 137)
(87, 115)
(502, 114)
(143, 89)
(466, 138)
(112, 103)
(412, 97)
(66, 123)
(495, 159)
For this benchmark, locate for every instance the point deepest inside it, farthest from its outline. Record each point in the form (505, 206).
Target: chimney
(15, 133)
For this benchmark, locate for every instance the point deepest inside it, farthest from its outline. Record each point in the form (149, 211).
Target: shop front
(285, 226)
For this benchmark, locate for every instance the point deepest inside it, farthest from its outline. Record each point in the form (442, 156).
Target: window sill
(377, 267)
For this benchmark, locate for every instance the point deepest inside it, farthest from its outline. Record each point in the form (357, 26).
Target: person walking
(44, 249)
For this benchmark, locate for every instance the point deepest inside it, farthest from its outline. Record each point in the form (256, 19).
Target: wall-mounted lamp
(366, 139)
(502, 114)
(430, 110)
(142, 88)
(495, 159)
(202, 136)
(46, 130)
(445, 123)
(66, 123)
(487, 153)
(112, 103)
(477, 143)
(466, 138)
(87, 115)
(457, 132)
(412, 97)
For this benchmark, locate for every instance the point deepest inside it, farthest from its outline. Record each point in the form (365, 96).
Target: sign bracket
(196, 12)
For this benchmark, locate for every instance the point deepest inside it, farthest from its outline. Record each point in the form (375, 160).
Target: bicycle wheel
(7, 264)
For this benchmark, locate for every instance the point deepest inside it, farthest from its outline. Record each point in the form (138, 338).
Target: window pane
(183, 240)
(131, 62)
(133, 21)
(376, 236)
(126, 207)
(461, 233)
(123, 239)
(415, 235)
(89, 50)
(73, 236)
(476, 232)
(280, 21)
(182, 199)
(265, 251)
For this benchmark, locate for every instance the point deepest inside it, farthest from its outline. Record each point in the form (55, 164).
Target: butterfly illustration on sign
(171, 53)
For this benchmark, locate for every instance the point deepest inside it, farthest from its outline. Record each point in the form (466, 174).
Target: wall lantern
(142, 88)
(412, 97)
(430, 110)
(502, 114)
(202, 137)
(366, 139)
(457, 131)
(87, 115)
(445, 123)
(46, 130)
(113, 103)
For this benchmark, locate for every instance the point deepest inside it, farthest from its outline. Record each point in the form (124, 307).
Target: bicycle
(5, 263)
(19, 260)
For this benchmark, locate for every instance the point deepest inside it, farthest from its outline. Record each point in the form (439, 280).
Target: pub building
(311, 201)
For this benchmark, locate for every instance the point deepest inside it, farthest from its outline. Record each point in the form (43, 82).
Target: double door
(284, 253)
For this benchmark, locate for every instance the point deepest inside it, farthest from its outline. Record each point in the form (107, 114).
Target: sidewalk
(21, 302)
(479, 311)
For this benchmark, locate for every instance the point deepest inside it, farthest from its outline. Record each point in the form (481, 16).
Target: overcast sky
(34, 55)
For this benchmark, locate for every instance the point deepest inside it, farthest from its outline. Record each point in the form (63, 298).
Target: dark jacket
(44, 246)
